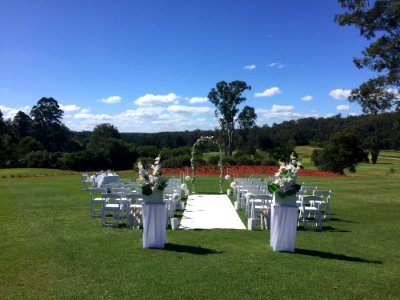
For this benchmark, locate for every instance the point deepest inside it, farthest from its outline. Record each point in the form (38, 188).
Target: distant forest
(26, 142)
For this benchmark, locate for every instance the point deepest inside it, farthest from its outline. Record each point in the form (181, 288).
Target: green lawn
(50, 248)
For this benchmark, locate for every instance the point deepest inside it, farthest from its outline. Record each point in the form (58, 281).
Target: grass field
(50, 248)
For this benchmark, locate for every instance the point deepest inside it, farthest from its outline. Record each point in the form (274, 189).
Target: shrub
(228, 161)
(269, 161)
(341, 152)
(177, 162)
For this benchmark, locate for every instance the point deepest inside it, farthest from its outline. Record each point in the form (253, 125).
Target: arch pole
(201, 140)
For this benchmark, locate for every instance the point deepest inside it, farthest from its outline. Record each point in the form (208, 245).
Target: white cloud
(197, 99)
(189, 109)
(281, 108)
(84, 114)
(10, 112)
(307, 98)
(150, 99)
(111, 100)
(156, 119)
(250, 67)
(68, 108)
(143, 112)
(343, 107)
(276, 65)
(340, 94)
(85, 110)
(268, 92)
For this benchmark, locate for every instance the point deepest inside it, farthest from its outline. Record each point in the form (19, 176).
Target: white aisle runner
(209, 212)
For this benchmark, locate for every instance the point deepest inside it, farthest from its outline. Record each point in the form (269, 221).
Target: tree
(226, 97)
(101, 134)
(247, 121)
(27, 144)
(380, 23)
(374, 148)
(46, 117)
(341, 152)
(22, 124)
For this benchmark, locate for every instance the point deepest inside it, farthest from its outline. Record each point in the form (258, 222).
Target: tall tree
(22, 124)
(226, 97)
(380, 23)
(247, 120)
(46, 115)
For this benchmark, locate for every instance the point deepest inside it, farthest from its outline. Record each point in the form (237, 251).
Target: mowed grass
(50, 248)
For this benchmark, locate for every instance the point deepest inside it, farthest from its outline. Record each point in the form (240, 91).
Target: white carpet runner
(210, 212)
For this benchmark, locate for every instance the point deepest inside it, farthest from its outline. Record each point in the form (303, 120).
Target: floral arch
(201, 140)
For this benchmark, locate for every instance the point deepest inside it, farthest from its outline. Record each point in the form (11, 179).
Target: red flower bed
(240, 171)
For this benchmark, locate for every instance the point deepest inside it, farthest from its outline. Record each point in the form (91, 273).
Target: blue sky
(148, 66)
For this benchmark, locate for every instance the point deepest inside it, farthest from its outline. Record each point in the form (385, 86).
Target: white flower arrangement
(151, 179)
(284, 183)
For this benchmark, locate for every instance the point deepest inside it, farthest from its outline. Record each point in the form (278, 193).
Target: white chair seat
(305, 213)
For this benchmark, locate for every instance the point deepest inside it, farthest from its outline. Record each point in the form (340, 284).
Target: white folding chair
(96, 200)
(324, 204)
(306, 211)
(308, 189)
(87, 182)
(135, 217)
(111, 209)
(259, 210)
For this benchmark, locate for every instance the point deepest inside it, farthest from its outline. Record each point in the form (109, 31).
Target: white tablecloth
(154, 225)
(283, 228)
(101, 179)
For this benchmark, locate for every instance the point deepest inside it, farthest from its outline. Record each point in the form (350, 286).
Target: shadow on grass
(190, 249)
(341, 220)
(330, 255)
(324, 229)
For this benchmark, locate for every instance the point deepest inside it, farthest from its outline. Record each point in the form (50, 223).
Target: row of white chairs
(119, 201)
(254, 198)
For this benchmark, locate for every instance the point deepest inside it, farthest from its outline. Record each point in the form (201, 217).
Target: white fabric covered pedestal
(283, 228)
(154, 225)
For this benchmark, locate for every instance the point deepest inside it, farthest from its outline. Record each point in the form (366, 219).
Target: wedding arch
(201, 140)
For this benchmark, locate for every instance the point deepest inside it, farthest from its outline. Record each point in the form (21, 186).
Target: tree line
(40, 139)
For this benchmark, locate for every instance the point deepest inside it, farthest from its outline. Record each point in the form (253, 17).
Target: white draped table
(283, 228)
(101, 179)
(154, 225)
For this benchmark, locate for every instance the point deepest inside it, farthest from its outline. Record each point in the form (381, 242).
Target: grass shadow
(324, 229)
(333, 229)
(190, 249)
(329, 255)
(341, 220)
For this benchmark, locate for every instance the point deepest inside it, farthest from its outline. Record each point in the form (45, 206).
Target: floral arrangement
(284, 183)
(152, 178)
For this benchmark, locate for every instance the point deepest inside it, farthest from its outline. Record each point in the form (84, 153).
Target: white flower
(188, 178)
(227, 177)
(233, 185)
(285, 179)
